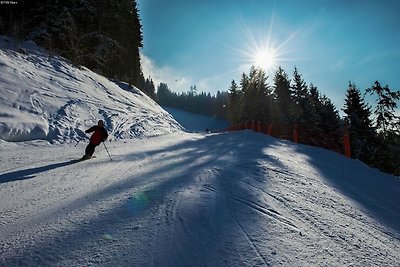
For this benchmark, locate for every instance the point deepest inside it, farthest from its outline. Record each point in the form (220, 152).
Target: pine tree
(329, 124)
(387, 123)
(149, 88)
(305, 111)
(314, 101)
(164, 95)
(299, 88)
(359, 125)
(388, 126)
(234, 102)
(248, 97)
(264, 97)
(255, 97)
(221, 103)
(244, 81)
(285, 107)
(193, 90)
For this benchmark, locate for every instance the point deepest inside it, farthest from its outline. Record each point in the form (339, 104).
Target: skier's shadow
(31, 173)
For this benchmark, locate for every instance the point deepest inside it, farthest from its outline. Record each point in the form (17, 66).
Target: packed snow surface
(170, 198)
(228, 199)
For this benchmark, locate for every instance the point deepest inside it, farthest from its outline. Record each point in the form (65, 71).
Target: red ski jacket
(100, 134)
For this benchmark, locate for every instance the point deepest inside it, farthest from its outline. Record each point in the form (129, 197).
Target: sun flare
(259, 47)
(265, 59)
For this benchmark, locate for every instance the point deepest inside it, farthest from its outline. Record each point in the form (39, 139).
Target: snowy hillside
(171, 198)
(197, 123)
(48, 98)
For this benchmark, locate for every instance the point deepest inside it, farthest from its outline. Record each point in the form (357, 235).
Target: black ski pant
(90, 149)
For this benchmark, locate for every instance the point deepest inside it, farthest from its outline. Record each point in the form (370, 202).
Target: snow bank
(47, 98)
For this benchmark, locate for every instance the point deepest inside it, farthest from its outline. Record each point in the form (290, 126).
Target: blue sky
(208, 43)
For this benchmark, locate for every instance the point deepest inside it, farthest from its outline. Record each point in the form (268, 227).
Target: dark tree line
(374, 141)
(286, 103)
(104, 36)
(191, 101)
(147, 86)
(289, 103)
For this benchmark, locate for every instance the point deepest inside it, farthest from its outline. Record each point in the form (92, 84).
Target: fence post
(346, 141)
(295, 134)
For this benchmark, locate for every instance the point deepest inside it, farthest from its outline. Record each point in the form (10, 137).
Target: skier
(100, 135)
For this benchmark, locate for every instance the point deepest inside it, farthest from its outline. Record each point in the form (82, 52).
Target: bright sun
(259, 48)
(265, 59)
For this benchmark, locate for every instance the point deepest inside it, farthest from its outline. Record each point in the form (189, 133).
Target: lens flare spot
(107, 237)
(137, 202)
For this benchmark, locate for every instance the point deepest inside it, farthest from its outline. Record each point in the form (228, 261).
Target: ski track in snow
(231, 199)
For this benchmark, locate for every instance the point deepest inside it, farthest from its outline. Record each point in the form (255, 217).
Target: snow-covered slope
(229, 199)
(48, 98)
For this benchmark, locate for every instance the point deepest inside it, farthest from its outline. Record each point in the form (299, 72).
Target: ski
(86, 158)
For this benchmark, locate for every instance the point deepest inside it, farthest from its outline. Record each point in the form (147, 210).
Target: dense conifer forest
(104, 36)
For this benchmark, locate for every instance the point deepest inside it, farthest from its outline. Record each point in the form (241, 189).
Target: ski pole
(77, 142)
(107, 151)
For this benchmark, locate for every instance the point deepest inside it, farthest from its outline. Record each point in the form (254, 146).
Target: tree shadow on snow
(31, 172)
(149, 190)
(377, 193)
